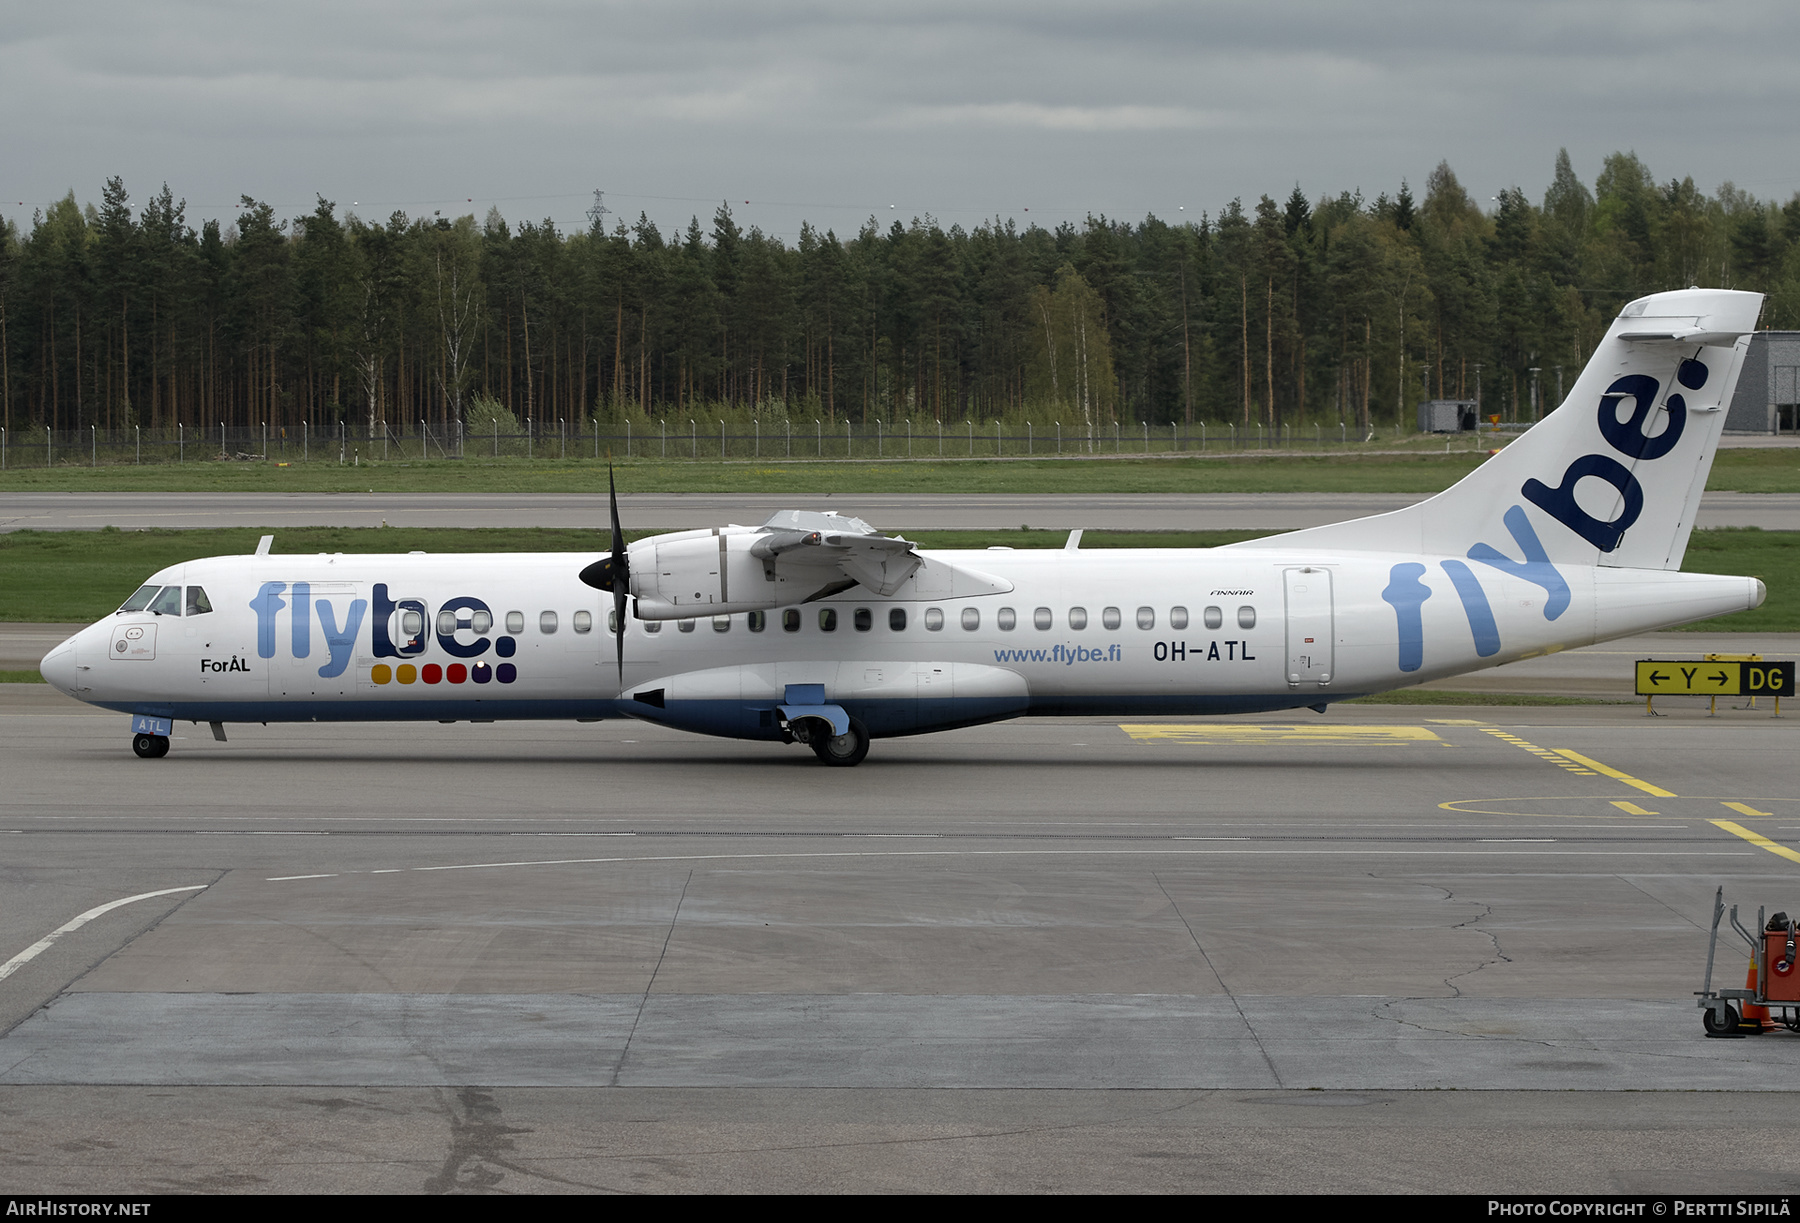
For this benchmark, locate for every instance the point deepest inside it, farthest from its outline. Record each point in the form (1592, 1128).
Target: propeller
(613, 572)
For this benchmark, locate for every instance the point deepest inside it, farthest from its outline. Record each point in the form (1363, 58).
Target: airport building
(1767, 399)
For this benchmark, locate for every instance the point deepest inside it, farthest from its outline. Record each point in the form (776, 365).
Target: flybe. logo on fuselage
(398, 629)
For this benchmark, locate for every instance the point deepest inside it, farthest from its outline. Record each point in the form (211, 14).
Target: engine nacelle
(708, 573)
(795, 557)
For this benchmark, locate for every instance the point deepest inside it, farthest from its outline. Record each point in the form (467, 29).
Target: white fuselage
(1102, 632)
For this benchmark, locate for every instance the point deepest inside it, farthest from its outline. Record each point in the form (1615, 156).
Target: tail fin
(1612, 477)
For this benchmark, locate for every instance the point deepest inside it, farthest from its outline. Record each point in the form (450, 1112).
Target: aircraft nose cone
(58, 667)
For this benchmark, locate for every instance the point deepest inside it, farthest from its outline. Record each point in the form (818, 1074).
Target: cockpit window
(141, 599)
(167, 601)
(197, 602)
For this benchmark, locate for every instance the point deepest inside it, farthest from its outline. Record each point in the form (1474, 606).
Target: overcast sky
(831, 112)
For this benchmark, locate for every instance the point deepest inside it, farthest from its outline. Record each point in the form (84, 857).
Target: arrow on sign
(1657, 677)
(1718, 679)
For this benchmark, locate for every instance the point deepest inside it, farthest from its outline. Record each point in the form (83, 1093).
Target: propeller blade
(618, 571)
(613, 572)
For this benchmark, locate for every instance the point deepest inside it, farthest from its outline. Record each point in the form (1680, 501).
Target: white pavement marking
(38, 948)
(1042, 853)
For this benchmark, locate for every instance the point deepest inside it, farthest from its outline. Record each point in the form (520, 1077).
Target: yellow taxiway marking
(1542, 753)
(1627, 778)
(1745, 809)
(1237, 733)
(1757, 839)
(1631, 808)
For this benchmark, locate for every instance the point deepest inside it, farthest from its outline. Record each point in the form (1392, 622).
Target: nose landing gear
(150, 747)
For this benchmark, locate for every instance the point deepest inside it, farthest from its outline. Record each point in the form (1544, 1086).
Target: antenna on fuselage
(264, 544)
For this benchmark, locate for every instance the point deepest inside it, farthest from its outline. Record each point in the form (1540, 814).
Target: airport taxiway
(1439, 949)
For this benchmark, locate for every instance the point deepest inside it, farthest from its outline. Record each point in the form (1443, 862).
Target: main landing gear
(841, 751)
(150, 747)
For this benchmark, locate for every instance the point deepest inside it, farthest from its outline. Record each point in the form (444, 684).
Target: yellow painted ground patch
(1745, 809)
(1238, 733)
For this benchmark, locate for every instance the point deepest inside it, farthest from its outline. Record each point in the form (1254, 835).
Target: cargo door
(320, 637)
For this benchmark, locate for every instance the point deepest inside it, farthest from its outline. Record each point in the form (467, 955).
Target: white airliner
(814, 628)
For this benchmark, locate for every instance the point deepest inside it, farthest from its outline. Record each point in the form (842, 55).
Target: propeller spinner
(613, 573)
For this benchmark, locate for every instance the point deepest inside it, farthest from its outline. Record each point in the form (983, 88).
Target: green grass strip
(1425, 469)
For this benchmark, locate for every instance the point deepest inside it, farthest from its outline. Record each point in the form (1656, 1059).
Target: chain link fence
(667, 439)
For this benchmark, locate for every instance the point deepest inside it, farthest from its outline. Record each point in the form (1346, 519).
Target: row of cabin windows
(482, 622)
(167, 601)
(1006, 619)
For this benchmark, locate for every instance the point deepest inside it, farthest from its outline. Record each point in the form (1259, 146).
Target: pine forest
(1341, 312)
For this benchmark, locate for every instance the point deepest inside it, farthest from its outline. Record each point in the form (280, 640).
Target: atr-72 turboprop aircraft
(815, 628)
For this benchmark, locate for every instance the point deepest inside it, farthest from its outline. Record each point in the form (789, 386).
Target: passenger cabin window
(483, 622)
(1078, 617)
(1006, 619)
(897, 619)
(721, 624)
(612, 622)
(583, 622)
(790, 620)
(686, 626)
(546, 621)
(934, 619)
(828, 619)
(1109, 617)
(1178, 617)
(1146, 617)
(971, 619)
(756, 621)
(1042, 619)
(412, 623)
(1213, 617)
(515, 622)
(167, 601)
(653, 626)
(140, 599)
(1246, 617)
(447, 623)
(197, 602)
(863, 619)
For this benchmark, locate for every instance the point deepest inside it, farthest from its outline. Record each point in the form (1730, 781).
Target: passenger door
(1309, 628)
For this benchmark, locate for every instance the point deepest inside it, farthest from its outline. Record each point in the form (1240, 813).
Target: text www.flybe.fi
(1164, 651)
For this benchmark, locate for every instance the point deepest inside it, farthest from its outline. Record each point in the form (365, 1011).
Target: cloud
(1120, 108)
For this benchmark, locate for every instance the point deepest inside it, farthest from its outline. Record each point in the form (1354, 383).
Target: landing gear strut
(150, 747)
(842, 751)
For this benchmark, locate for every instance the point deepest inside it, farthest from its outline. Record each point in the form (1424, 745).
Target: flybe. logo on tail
(1406, 593)
(1629, 439)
